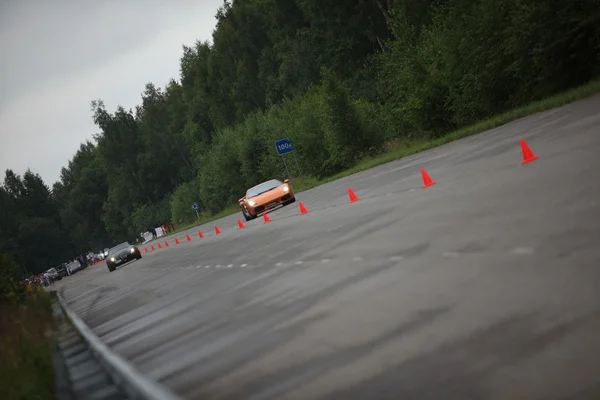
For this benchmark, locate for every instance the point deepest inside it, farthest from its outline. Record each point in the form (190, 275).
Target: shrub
(26, 343)
(12, 290)
(181, 202)
(152, 215)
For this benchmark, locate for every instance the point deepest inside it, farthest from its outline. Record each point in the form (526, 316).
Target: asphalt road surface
(484, 286)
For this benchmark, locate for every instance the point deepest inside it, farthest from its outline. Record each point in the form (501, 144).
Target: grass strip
(26, 349)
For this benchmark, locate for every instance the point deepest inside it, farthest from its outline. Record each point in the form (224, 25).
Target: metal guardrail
(123, 374)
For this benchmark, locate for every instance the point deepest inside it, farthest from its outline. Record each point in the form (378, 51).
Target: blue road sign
(195, 206)
(284, 146)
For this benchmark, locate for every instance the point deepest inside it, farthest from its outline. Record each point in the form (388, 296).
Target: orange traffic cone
(266, 218)
(188, 238)
(200, 235)
(145, 249)
(528, 155)
(159, 246)
(240, 224)
(426, 179)
(153, 248)
(176, 241)
(166, 243)
(353, 197)
(303, 209)
(217, 230)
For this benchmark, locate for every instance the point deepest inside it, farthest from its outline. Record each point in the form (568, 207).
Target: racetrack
(486, 285)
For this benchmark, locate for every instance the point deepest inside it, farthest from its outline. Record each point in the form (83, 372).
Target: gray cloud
(59, 55)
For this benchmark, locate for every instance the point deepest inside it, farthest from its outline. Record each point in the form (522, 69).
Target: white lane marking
(208, 266)
(243, 265)
(217, 266)
(522, 251)
(198, 266)
(325, 260)
(230, 265)
(279, 264)
(299, 262)
(357, 259)
(450, 254)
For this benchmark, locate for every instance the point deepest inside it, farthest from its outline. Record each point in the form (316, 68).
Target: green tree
(31, 230)
(80, 194)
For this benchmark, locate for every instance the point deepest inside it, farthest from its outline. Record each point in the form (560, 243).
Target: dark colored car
(62, 271)
(121, 254)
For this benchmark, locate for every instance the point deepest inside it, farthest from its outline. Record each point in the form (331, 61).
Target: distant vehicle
(74, 266)
(54, 274)
(266, 196)
(62, 270)
(121, 254)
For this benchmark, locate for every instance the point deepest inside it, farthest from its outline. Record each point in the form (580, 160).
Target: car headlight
(112, 259)
(252, 203)
(286, 188)
(132, 250)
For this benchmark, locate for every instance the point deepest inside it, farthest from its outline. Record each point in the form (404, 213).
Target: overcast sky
(56, 56)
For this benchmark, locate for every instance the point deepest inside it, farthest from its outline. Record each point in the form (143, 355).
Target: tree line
(340, 78)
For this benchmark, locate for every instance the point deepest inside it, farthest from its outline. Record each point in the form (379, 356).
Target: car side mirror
(286, 181)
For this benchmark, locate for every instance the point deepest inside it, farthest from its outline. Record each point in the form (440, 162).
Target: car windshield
(262, 188)
(119, 247)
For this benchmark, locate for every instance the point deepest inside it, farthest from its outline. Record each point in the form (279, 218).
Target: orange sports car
(266, 196)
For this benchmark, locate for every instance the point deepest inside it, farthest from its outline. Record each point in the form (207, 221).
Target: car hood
(268, 196)
(120, 253)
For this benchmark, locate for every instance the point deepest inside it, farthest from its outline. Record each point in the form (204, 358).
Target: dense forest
(339, 77)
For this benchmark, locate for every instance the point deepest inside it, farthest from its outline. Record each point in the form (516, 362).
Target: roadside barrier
(88, 368)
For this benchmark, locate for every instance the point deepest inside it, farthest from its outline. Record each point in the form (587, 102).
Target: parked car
(62, 271)
(74, 266)
(54, 274)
